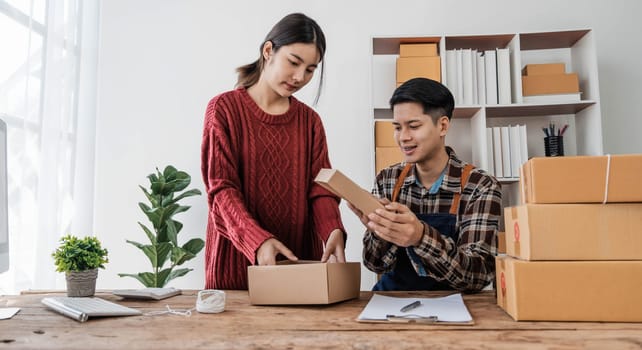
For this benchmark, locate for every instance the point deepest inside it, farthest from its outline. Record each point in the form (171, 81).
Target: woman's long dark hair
(293, 28)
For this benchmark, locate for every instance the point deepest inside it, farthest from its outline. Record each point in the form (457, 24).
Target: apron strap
(454, 208)
(465, 174)
(400, 180)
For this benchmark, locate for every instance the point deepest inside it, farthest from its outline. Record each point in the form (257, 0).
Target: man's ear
(443, 123)
(266, 52)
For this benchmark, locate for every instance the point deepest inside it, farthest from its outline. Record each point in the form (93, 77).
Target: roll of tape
(210, 301)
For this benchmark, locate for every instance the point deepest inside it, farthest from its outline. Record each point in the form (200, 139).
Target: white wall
(161, 61)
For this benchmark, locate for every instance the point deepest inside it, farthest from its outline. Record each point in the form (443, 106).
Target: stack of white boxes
(574, 247)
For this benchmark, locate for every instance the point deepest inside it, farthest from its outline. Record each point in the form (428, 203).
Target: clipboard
(448, 310)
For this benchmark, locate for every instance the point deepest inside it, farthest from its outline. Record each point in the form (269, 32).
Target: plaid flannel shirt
(469, 263)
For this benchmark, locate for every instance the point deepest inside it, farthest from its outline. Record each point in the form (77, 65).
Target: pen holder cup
(554, 146)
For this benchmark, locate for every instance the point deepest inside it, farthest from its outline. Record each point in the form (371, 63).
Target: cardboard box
(415, 67)
(303, 282)
(387, 156)
(384, 134)
(544, 69)
(570, 290)
(574, 231)
(550, 84)
(582, 179)
(415, 50)
(334, 181)
(501, 242)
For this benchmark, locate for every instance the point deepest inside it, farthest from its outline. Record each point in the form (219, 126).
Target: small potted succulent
(79, 259)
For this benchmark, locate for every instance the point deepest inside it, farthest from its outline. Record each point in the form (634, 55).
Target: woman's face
(290, 68)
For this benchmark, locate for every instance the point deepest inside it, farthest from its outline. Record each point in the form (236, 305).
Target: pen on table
(413, 305)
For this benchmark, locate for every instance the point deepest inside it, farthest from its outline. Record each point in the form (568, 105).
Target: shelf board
(459, 112)
(390, 46)
(551, 40)
(479, 42)
(527, 110)
(507, 180)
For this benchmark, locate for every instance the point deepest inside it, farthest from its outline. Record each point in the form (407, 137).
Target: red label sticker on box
(516, 231)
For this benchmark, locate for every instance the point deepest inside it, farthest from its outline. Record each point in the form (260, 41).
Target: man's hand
(362, 217)
(334, 248)
(267, 252)
(396, 224)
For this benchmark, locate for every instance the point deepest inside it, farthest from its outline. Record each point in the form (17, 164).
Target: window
(40, 85)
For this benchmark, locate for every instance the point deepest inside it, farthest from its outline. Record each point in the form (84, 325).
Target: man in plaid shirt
(439, 229)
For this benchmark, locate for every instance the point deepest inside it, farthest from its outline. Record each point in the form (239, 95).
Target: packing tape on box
(210, 301)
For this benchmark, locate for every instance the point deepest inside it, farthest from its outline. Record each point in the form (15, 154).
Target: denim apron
(404, 276)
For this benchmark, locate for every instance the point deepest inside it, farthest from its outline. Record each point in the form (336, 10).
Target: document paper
(447, 309)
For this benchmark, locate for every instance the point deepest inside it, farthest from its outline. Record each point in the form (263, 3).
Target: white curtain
(47, 98)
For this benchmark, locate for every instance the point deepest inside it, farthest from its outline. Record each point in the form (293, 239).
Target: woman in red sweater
(261, 150)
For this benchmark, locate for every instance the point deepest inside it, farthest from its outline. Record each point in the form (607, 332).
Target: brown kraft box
(303, 282)
(582, 179)
(595, 291)
(574, 231)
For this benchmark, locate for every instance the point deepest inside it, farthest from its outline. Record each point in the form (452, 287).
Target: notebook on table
(80, 309)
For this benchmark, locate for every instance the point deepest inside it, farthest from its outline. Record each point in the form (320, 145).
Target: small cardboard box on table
(303, 282)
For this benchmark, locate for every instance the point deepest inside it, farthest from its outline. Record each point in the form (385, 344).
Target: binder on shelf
(481, 78)
(467, 76)
(490, 66)
(506, 151)
(490, 152)
(523, 146)
(497, 148)
(515, 150)
(451, 71)
(503, 76)
(459, 97)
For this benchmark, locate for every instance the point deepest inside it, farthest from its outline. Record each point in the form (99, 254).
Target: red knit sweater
(258, 171)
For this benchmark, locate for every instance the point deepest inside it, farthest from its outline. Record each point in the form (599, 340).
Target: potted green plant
(163, 196)
(79, 259)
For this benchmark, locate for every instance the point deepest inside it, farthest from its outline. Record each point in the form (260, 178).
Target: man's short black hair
(436, 99)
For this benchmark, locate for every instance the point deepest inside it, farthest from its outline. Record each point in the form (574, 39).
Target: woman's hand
(334, 248)
(267, 252)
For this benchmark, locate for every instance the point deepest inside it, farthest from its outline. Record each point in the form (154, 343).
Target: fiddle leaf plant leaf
(164, 251)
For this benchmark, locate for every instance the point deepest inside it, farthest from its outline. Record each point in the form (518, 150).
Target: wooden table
(243, 326)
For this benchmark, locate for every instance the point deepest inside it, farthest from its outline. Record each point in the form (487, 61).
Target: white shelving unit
(576, 48)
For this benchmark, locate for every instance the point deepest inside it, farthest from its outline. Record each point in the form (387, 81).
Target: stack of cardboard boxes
(574, 247)
(547, 79)
(387, 151)
(418, 61)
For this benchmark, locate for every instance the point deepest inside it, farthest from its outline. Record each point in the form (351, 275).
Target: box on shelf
(570, 290)
(582, 179)
(415, 67)
(550, 84)
(384, 134)
(544, 69)
(387, 156)
(415, 50)
(336, 182)
(574, 231)
(303, 282)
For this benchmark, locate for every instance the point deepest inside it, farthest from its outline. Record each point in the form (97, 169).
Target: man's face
(417, 136)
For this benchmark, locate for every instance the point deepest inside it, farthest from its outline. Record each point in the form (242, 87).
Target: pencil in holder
(554, 146)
